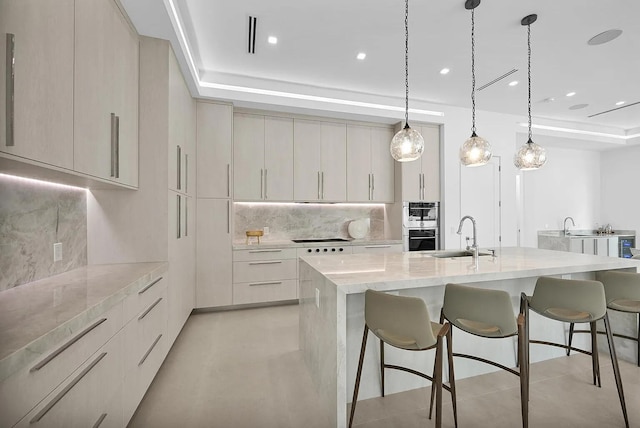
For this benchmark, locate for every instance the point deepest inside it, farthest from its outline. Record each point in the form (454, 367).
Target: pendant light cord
(529, 75)
(473, 74)
(406, 64)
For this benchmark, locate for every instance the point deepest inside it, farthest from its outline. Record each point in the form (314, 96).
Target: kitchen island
(332, 313)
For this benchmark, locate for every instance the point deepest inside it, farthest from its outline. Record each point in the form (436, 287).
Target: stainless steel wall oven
(421, 226)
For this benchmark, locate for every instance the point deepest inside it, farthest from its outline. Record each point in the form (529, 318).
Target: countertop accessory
(254, 234)
(407, 144)
(476, 151)
(530, 156)
(358, 229)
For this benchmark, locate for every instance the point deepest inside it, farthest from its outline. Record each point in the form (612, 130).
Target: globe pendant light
(407, 145)
(530, 156)
(476, 151)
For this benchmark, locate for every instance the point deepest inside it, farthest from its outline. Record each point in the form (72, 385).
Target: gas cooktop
(316, 240)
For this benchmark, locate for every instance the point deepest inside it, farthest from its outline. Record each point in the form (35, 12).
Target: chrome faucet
(473, 247)
(565, 224)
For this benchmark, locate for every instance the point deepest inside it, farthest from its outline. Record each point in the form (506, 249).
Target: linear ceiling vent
(252, 34)
(615, 109)
(497, 79)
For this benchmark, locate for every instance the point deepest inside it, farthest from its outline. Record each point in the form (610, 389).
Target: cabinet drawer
(265, 291)
(264, 254)
(264, 270)
(86, 395)
(23, 390)
(377, 248)
(145, 296)
(144, 328)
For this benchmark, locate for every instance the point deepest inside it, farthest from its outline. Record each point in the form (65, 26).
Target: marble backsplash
(293, 221)
(33, 216)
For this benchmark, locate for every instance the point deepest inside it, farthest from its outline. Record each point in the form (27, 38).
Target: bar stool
(574, 301)
(622, 291)
(404, 323)
(489, 314)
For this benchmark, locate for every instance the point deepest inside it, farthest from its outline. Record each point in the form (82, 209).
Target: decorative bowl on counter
(254, 234)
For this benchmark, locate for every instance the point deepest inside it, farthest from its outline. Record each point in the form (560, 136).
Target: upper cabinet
(421, 178)
(105, 93)
(370, 177)
(36, 96)
(214, 139)
(263, 158)
(320, 161)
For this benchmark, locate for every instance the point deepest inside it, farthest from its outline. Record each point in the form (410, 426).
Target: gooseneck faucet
(473, 247)
(565, 224)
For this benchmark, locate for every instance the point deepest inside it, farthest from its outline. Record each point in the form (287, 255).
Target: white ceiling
(318, 42)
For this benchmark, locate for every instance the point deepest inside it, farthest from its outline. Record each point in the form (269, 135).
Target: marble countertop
(585, 233)
(392, 271)
(35, 316)
(240, 245)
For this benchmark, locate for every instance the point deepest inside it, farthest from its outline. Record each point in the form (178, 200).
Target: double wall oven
(421, 226)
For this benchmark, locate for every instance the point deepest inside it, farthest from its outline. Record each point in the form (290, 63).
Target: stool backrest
(621, 285)
(479, 305)
(401, 321)
(570, 294)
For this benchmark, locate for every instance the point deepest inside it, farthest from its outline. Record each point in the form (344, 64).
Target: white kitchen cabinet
(265, 275)
(320, 161)
(214, 259)
(370, 177)
(377, 248)
(421, 178)
(42, 107)
(263, 158)
(105, 93)
(214, 141)
(598, 246)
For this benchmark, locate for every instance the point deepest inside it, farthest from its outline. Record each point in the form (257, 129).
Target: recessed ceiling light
(578, 106)
(619, 103)
(570, 94)
(272, 40)
(445, 71)
(514, 83)
(361, 56)
(548, 100)
(604, 37)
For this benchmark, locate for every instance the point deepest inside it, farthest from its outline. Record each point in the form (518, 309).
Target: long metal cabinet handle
(146, 354)
(377, 246)
(179, 167)
(228, 180)
(265, 183)
(148, 286)
(318, 184)
(322, 176)
(100, 420)
(186, 216)
(265, 251)
(66, 389)
(252, 284)
(179, 213)
(66, 345)
(228, 217)
(116, 159)
(369, 186)
(186, 172)
(113, 144)
(261, 183)
(9, 87)
(273, 262)
(373, 185)
(149, 309)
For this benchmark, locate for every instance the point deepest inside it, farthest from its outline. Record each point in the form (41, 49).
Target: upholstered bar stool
(489, 314)
(574, 301)
(404, 323)
(622, 291)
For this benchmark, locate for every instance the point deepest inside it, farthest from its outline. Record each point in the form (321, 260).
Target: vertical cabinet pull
(186, 216)
(373, 185)
(261, 183)
(113, 144)
(322, 182)
(179, 222)
(265, 183)
(228, 180)
(179, 167)
(318, 185)
(186, 174)
(228, 217)
(9, 87)
(116, 159)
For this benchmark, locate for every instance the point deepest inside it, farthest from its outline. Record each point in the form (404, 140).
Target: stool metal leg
(524, 375)
(638, 340)
(382, 365)
(616, 368)
(437, 381)
(570, 338)
(595, 362)
(434, 370)
(357, 386)
(452, 378)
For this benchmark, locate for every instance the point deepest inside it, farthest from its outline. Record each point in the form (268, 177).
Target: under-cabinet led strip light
(580, 131)
(33, 181)
(292, 95)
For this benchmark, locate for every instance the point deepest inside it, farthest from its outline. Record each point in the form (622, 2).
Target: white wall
(620, 188)
(568, 185)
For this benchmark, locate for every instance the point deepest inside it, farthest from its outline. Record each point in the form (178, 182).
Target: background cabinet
(421, 178)
(320, 161)
(43, 80)
(599, 246)
(214, 139)
(370, 176)
(263, 157)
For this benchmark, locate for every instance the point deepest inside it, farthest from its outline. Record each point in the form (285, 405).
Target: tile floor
(243, 369)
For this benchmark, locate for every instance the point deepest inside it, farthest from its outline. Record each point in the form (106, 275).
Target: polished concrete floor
(243, 369)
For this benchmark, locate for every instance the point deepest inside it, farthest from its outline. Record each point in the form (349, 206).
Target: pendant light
(407, 145)
(476, 151)
(530, 156)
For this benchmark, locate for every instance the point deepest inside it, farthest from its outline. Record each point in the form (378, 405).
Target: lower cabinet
(600, 246)
(265, 275)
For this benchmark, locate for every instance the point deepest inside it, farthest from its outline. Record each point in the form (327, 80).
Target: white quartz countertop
(586, 234)
(392, 271)
(34, 315)
(240, 245)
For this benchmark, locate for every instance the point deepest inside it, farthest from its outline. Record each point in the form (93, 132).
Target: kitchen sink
(460, 253)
